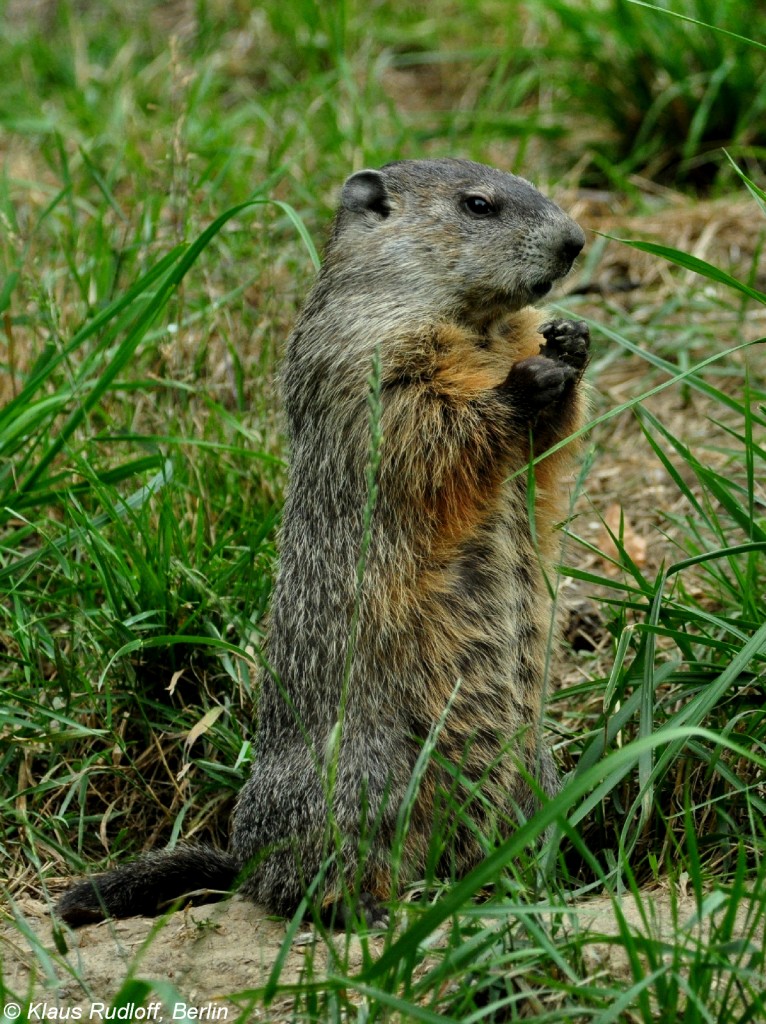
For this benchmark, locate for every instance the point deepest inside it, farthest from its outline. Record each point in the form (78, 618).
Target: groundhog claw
(566, 341)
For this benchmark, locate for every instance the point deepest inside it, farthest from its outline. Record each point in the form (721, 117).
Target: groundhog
(413, 602)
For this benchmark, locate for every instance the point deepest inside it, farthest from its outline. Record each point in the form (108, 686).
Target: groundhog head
(463, 240)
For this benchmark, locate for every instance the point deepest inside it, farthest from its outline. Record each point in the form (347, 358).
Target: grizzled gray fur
(436, 264)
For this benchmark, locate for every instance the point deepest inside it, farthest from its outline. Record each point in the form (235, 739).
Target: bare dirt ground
(207, 954)
(203, 952)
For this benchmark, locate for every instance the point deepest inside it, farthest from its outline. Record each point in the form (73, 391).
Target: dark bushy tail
(146, 886)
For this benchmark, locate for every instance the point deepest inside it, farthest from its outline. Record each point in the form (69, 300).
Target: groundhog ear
(365, 190)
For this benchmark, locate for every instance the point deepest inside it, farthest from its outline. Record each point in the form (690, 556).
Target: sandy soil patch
(207, 954)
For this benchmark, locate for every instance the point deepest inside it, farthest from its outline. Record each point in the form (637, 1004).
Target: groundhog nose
(572, 245)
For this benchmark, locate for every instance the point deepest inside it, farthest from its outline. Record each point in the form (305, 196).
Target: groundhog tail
(147, 886)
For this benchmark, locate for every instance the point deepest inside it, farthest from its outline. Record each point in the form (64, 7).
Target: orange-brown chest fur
(467, 368)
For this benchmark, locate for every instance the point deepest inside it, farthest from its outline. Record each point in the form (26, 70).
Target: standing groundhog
(433, 264)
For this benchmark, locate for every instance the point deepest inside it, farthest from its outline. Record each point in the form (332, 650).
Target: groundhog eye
(478, 206)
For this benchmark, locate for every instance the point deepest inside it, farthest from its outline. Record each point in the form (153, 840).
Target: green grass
(148, 284)
(668, 84)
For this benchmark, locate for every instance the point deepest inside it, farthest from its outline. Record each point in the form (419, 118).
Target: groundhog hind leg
(280, 829)
(305, 851)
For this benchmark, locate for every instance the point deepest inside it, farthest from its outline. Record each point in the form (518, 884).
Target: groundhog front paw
(537, 383)
(566, 341)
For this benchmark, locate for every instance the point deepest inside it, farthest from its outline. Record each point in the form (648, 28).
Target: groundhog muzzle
(433, 266)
